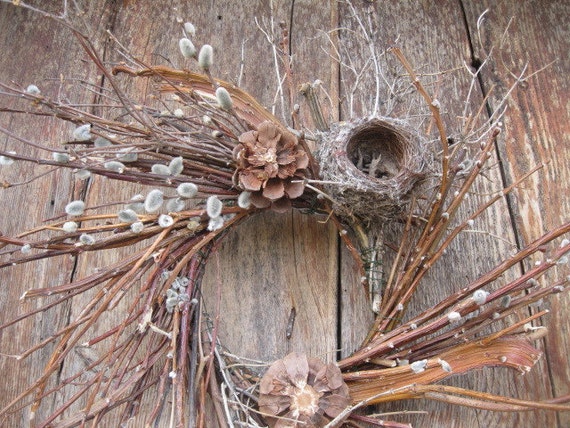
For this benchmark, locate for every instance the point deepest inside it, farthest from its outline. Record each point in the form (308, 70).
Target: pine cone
(269, 161)
(298, 391)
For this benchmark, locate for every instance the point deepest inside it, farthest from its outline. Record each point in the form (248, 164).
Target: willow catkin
(176, 165)
(206, 57)
(214, 206)
(187, 190)
(75, 208)
(187, 48)
(153, 201)
(82, 133)
(224, 98)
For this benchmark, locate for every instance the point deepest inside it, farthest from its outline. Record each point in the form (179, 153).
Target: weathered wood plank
(274, 263)
(29, 57)
(535, 37)
(434, 38)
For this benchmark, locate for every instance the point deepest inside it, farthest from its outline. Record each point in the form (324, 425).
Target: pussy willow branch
(404, 333)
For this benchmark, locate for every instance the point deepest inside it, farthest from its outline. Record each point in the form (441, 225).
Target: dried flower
(153, 201)
(306, 391)
(206, 57)
(270, 164)
(187, 190)
(82, 133)
(75, 208)
(187, 48)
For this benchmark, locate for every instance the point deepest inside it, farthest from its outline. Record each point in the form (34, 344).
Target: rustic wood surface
(274, 263)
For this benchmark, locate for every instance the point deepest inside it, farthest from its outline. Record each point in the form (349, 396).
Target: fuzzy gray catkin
(82, 133)
(75, 208)
(160, 169)
(115, 166)
(187, 48)
(206, 57)
(127, 216)
(187, 190)
(224, 98)
(176, 166)
(153, 201)
(214, 207)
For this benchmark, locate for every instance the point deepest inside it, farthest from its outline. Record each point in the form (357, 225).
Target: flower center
(305, 401)
(270, 156)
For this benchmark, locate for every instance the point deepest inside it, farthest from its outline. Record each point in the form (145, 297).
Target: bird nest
(370, 166)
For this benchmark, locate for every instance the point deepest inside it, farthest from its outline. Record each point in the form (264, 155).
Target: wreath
(213, 157)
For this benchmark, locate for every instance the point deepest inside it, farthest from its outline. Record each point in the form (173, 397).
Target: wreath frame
(359, 225)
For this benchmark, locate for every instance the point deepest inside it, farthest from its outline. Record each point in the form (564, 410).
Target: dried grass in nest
(370, 166)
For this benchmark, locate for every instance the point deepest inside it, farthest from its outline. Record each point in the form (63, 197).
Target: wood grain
(535, 37)
(273, 263)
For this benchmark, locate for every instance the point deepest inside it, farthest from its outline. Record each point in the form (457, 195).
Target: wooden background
(276, 262)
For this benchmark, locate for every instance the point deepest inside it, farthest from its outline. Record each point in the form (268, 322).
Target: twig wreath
(214, 157)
